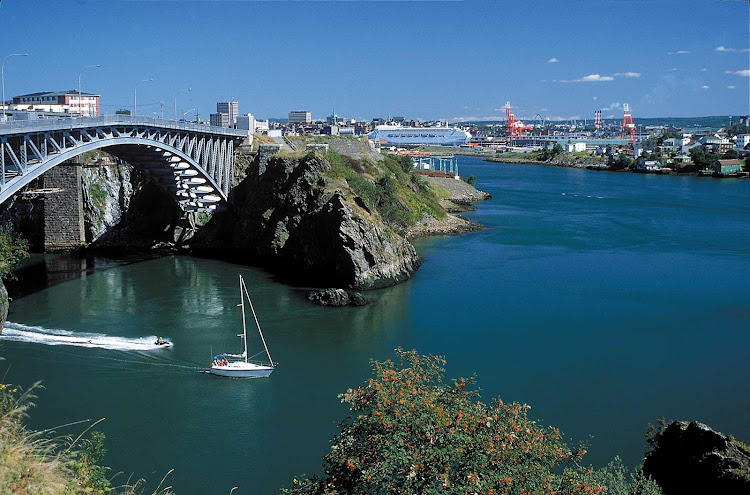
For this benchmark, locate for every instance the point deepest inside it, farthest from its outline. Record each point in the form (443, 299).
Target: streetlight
(2, 76)
(135, 95)
(175, 100)
(185, 113)
(80, 96)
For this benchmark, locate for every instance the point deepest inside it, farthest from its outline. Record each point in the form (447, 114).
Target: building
(246, 122)
(575, 147)
(727, 167)
(86, 104)
(300, 117)
(231, 108)
(742, 140)
(219, 119)
(261, 126)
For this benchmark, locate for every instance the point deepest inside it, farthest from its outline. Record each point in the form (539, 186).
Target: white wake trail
(52, 336)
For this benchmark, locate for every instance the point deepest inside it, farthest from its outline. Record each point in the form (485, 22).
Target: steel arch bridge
(193, 161)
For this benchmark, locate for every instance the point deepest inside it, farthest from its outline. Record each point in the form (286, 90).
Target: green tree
(746, 166)
(410, 432)
(472, 180)
(13, 248)
(698, 156)
(122, 111)
(557, 149)
(622, 162)
(731, 154)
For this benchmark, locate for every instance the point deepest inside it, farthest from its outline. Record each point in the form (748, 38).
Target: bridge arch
(195, 162)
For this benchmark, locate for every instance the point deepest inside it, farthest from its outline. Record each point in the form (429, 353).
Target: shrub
(410, 432)
(13, 248)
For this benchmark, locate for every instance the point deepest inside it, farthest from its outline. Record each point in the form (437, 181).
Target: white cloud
(614, 106)
(704, 87)
(679, 52)
(627, 74)
(743, 72)
(599, 77)
(704, 69)
(730, 87)
(589, 78)
(553, 60)
(722, 48)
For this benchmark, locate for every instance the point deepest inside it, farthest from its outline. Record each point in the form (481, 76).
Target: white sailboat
(238, 365)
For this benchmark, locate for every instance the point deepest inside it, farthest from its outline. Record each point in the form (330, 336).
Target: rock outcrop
(293, 220)
(691, 458)
(336, 298)
(107, 191)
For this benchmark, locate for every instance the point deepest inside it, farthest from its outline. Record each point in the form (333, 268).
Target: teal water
(603, 300)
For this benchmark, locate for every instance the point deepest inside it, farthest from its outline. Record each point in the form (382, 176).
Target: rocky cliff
(107, 191)
(298, 221)
(691, 458)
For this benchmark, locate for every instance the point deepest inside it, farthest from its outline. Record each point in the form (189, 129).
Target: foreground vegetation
(36, 463)
(13, 248)
(411, 432)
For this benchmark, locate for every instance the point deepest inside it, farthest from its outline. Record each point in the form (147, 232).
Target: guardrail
(12, 126)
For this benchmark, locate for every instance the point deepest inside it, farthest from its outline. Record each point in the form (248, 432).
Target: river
(603, 300)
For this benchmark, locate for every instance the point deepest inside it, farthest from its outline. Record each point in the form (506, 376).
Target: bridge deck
(10, 127)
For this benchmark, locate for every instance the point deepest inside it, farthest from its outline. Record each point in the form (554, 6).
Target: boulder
(336, 297)
(691, 458)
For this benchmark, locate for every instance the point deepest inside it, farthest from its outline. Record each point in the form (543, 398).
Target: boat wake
(50, 336)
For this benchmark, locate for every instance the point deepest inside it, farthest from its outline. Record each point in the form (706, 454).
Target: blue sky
(420, 59)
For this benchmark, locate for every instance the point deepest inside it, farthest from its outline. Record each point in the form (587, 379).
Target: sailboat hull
(241, 370)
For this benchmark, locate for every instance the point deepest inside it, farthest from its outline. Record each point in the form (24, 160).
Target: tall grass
(40, 463)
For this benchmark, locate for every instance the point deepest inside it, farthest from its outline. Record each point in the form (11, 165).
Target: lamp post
(2, 75)
(80, 96)
(175, 100)
(185, 113)
(135, 95)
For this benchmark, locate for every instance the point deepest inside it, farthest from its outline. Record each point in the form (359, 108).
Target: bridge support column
(63, 210)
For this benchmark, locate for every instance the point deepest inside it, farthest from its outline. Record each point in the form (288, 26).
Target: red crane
(515, 128)
(627, 123)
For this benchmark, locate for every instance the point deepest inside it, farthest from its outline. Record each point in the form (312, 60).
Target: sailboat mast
(244, 325)
(257, 324)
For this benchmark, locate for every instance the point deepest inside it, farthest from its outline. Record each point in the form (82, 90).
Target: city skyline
(428, 60)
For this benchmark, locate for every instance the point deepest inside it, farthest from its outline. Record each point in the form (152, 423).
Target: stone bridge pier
(63, 208)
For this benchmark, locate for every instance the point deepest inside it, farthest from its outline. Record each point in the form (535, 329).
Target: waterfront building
(575, 147)
(413, 136)
(300, 117)
(742, 140)
(85, 104)
(727, 167)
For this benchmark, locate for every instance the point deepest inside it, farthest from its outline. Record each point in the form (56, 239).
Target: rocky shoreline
(458, 197)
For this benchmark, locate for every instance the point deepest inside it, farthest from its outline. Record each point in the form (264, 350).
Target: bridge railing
(12, 126)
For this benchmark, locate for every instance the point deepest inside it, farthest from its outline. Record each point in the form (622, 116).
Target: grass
(401, 198)
(37, 463)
